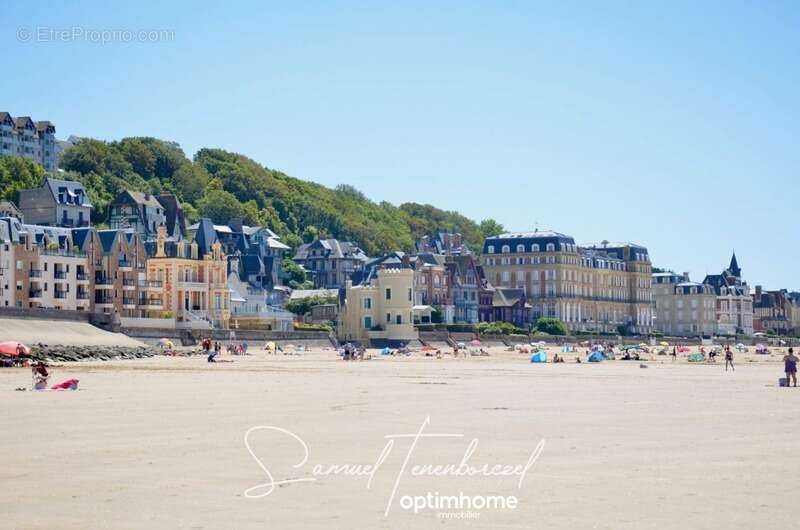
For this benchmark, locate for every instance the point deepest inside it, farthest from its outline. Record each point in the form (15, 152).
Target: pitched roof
(205, 236)
(144, 199)
(507, 297)
(107, 238)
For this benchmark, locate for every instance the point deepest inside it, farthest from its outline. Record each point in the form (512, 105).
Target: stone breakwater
(90, 353)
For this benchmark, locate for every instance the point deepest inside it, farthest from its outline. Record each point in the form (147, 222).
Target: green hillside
(220, 185)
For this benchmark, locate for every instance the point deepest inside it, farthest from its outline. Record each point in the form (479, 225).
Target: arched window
(551, 247)
(506, 249)
(534, 248)
(520, 248)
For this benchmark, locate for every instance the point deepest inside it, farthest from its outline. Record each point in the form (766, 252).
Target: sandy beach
(160, 443)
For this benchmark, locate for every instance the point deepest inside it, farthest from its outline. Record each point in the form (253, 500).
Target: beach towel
(696, 357)
(69, 384)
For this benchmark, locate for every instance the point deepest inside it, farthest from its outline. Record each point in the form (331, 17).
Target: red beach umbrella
(12, 348)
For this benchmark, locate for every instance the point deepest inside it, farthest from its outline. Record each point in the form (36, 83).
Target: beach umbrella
(11, 348)
(163, 340)
(663, 343)
(461, 345)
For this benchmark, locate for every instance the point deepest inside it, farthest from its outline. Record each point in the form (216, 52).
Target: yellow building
(187, 280)
(381, 308)
(599, 288)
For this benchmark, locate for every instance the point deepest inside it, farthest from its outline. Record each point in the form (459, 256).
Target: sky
(671, 124)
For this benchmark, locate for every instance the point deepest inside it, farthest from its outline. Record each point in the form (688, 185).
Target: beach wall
(319, 339)
(61, 332)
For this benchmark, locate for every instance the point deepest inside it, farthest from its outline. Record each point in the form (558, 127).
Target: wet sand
(160, 443)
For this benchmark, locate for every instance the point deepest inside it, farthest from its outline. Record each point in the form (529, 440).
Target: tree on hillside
(490, 227)
(17, 173)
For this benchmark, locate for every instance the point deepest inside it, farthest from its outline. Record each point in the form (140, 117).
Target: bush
(551, 326)
(300, 326)
(499, 328)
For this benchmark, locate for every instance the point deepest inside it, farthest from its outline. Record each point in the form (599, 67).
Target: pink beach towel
(69, 384)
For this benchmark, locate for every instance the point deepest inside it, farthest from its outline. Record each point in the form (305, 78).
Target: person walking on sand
(790, 368)
(729, 358)
(674, 353)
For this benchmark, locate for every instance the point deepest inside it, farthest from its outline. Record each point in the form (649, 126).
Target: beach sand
(159, 443)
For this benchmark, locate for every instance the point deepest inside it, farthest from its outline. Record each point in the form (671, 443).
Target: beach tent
(386, 351)
(10, 348)
(595, 357)
(539, 357)
(663, 343)
(760, 348)
(696, 357)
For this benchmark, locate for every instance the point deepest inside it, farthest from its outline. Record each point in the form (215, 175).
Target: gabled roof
(205, 236)
(108, 238)
(142, 199)
(334, 248)
(23, 122)
(507, 297)
(73, 188)
(81, 235)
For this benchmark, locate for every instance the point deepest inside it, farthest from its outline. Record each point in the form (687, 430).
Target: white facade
(29, 139)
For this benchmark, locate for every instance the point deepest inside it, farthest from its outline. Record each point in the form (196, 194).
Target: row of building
(149, 268)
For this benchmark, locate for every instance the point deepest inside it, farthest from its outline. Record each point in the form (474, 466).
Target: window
(367, 322)
(520, 248)
(368, 304)
(409, 294)
(506, 249)
(534, 248)
(399, 319)
(551, 247)
(388, 317)
(490, 249)
(388, 294)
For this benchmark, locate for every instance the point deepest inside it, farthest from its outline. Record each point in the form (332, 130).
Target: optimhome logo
(461, 506)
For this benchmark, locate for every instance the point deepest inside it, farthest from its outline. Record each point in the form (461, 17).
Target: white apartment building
(35, 140)
(682, 307)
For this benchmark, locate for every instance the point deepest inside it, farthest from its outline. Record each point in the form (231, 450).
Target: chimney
(685, 276)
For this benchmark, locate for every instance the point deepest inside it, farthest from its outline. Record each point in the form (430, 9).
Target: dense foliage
(551, 326)
(18, 174)
(302, 306)
(222, 185)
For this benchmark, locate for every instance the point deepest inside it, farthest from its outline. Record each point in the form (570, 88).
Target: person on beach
(790, 368)
(729, 358)
(674, 353)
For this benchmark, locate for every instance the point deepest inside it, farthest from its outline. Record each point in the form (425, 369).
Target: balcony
(60, 295)
(192, 284)
(82, 295)
(125, 264)
(82, 277)
(128, 284)
(60, 275)
(35, 273)
(35, 293)
(150, 285)
(151, 303)
(103, 282)
(131, 302)
(104, 300)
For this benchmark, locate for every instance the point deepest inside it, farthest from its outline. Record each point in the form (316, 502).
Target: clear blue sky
(672, 124)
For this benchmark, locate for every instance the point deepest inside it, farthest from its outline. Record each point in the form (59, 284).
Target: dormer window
(535, 248)
(520, 248)
(490, 249)
(551, 247)
(506, 249)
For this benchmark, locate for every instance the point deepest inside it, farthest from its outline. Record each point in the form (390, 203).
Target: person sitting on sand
(790, 367)
(40, 375)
